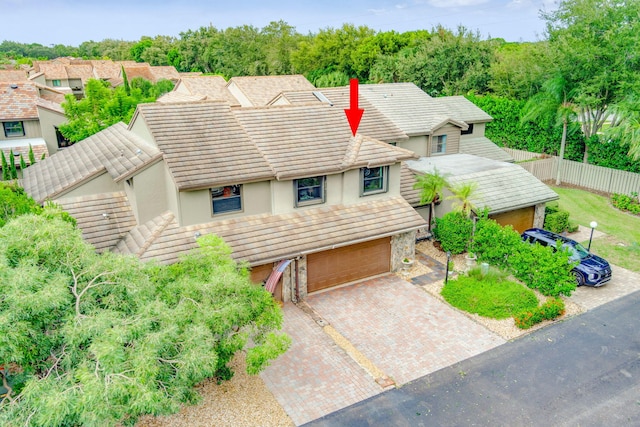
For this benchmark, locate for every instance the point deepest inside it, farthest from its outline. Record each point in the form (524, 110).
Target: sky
(71, 22)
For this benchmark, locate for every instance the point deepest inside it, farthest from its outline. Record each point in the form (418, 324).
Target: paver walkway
(623, 282)
(401, 329)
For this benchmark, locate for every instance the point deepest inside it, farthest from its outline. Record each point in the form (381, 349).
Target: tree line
(585, 71)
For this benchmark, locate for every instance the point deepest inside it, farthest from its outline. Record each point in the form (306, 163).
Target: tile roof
(50, 105)
(502, 186)
(106, 69)
(12, 76)
(204, 144)
(52, 70)
(142, 70)
(308, 139)
(83, 72)
(409, 107)
(213, 87)
(103, 218)
(113, 150)
(177, 97)
(463, 109)
(18, 101)
(260, 239)
(407, 180)
(167, 72)
(260, 90)
(483, 147)
(373, 124)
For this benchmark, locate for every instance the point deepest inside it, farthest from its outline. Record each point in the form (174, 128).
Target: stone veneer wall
(402, 246)
(538, 216)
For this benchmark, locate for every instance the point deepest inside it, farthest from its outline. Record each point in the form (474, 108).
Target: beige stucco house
(277, 183)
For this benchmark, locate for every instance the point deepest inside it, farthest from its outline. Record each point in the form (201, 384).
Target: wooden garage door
(519, 219)
(349, 263)
(260, 273)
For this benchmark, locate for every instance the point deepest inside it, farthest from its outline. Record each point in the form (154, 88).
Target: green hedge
(453, 231)
(557, 222)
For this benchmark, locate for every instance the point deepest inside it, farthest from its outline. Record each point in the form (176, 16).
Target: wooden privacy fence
(576, 173)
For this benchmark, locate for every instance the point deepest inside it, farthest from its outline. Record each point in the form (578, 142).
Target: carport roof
(502, 186)
(260, 239)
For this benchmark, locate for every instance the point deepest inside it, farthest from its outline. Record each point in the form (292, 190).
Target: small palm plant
(464, 195)
(431, 185)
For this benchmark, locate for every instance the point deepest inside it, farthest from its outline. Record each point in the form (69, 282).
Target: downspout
(297, 283)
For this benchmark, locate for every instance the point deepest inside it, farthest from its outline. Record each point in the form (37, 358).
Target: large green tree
(103, 106)
(594, 44)
(97, 340)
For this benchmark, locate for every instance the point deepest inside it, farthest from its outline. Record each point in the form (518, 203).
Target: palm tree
(431, 186)
(553, 99)
(463, 196)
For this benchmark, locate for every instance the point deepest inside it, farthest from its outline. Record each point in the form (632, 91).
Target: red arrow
(354, 114)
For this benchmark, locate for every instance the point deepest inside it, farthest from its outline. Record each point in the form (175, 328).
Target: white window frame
(439, 144)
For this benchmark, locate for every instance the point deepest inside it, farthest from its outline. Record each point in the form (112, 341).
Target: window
(309, 191)
(226, 199)
(439, 144)
(56, 83)
(62, 141)
(13, 129)
(469, 131)
(374, 180)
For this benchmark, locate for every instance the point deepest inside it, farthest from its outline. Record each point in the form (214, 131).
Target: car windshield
(576, 252)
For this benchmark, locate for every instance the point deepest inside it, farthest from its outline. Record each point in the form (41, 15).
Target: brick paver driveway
(395, 326)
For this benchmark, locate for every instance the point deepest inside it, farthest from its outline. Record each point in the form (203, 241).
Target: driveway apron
(393, 327)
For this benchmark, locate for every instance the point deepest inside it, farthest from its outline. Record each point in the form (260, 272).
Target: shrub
(453, 231)
(543, 268)
(550, 310)
(557, 222)
(490, 295)
(494, 243)
(628, 203)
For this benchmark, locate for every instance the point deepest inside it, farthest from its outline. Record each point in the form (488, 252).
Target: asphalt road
(584, 371)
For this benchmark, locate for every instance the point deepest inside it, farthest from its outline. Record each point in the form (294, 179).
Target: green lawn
(621, 246)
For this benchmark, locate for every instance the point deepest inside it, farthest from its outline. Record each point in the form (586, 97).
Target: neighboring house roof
(142, 70)
(106, 69)
(373, 124)
(177, 97)
(103, 218)
(52, 70)
(18, 101)
(407, 180)
(12, 76)
(408, 107)
(83, 71)
(113, 150)
(203, 143)
(502, 186)
(51, 94)
(166, 72)
(260, 90)
(212, 87)
(483, 147)
(307, 140)
(260, 239)
(22, 146)
(50, 105)
(463, 109)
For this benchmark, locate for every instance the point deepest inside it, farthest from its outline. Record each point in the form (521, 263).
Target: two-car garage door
(346, 264)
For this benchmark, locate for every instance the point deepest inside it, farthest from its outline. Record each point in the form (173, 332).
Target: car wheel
(579, 278)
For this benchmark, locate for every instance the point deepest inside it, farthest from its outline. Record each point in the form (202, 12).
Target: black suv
(591, 270)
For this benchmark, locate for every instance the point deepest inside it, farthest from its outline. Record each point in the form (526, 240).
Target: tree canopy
(98, 339)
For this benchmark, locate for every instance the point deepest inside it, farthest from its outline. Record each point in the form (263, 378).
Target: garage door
(336, 266)
(260, 274)
(519, 219)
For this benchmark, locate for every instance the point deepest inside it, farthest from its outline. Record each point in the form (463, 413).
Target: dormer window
(469, 130)
(439, 144)
(226, 199)
(13, 129)
(373, 180)
(309, 191)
